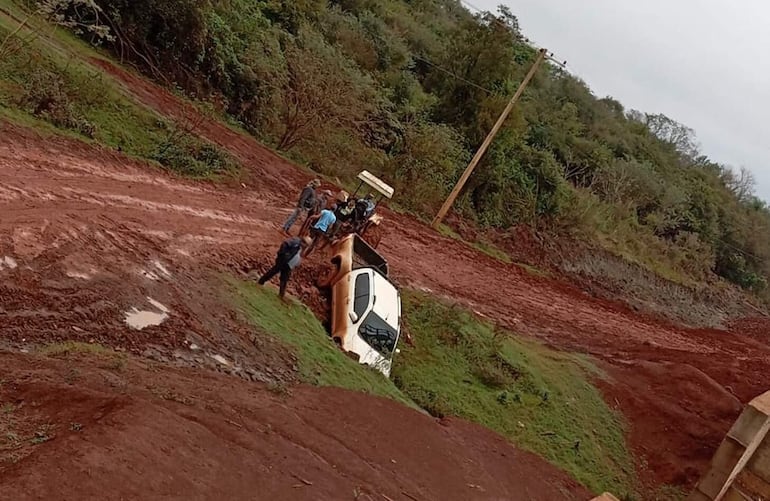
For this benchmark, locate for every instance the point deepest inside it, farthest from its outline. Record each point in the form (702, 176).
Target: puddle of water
(161, 268)
(148, 274)
(141, 319)
(222, 360)
(158, 305)
(8, 262)
(81, 276)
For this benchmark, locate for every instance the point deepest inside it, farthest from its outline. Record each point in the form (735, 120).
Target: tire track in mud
(94, 239)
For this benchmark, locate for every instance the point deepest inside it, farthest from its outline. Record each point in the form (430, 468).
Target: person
(364, 209)
(321, 203)
(307, 200)
(321, 228)
(370, 205)
(289, 256)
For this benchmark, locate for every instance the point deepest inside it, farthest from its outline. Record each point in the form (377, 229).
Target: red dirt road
(114, 432)
(85, 228)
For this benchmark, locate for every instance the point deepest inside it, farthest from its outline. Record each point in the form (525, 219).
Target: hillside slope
(410, 89)
(90, 234)
(109, 218)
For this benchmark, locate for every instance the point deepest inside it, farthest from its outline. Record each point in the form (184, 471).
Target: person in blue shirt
(321, 228)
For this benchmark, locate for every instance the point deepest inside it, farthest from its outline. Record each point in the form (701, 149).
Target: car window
(361, 294)
(378, 334)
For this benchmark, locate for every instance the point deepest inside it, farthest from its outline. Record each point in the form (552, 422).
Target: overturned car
(365, 305)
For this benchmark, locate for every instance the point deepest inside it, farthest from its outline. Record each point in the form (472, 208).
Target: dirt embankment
(138, 430)
(85, 227)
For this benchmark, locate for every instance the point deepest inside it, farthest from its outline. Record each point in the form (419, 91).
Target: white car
(366, 306)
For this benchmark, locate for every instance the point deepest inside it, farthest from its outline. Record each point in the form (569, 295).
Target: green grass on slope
(320, 361)
(45, 78)
(540, 399)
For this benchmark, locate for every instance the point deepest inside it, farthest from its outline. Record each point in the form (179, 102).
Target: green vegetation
(480, 245)
(69, 347)
(540, 399)
(320, 361)
(45, 78)
(110, 358)
(408, 89)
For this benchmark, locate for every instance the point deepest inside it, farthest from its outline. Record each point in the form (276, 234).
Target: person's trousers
(293, 218)
(282, 268)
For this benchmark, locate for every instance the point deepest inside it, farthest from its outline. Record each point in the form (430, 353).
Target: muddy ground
(89, 239)
(115, 430)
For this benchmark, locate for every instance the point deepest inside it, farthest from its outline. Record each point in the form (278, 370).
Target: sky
(704, 63)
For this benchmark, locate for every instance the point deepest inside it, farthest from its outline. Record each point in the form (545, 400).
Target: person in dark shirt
(289, 256)
(306, 202)
(321, 203)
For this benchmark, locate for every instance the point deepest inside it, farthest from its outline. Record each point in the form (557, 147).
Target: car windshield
(378, 334)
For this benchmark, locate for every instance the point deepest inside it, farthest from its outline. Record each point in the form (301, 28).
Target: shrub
(46, 97)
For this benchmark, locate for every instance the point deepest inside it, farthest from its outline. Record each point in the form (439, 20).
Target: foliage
(409, 89)
(49, 82)
(322, 90)
(541, 399)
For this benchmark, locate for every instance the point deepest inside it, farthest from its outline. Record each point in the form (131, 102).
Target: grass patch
(320, 361)
(532, 270)
(482, 246)
(50, 80)
(492, 251)
(72, 347)
(540, 399)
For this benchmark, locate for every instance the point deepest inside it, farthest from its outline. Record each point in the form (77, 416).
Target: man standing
(289, 257)
(304, 205)
(321, 228)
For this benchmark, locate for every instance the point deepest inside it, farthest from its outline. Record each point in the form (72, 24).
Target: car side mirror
(353, 317)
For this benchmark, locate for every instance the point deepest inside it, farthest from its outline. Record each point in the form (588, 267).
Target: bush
(46, 97)
(430, 160)
(188, 156)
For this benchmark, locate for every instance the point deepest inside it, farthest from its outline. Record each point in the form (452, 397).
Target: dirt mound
(686, 411)
(173, 434)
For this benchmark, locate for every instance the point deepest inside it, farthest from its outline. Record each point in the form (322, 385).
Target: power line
(448, 72)
(745, 253)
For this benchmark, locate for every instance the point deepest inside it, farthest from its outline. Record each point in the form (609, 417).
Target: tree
(681, 137)
(322, 89)
(740, 183)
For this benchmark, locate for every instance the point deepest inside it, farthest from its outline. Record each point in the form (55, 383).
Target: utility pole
(485, 145)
